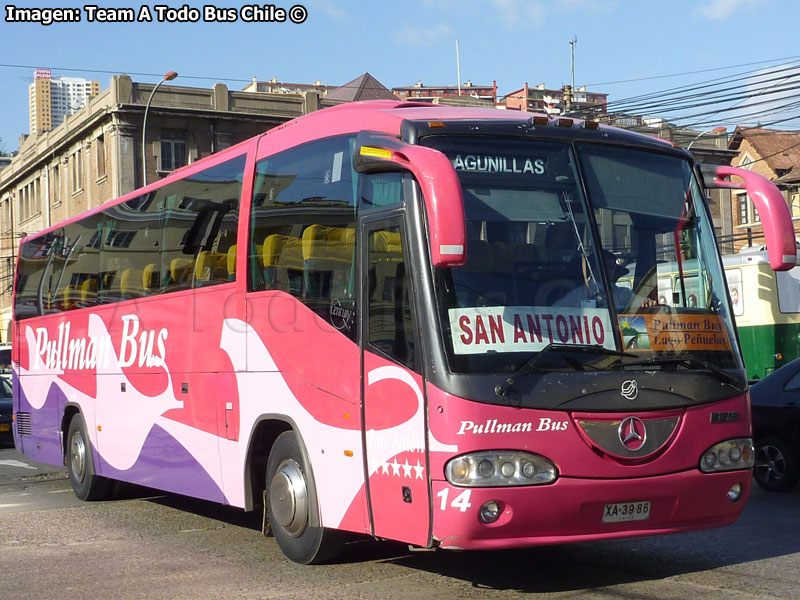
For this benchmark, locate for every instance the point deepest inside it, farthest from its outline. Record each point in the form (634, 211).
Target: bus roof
(389, 117)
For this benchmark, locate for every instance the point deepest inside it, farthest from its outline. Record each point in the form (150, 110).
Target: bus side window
(35, 276)
(77, 272)
(130, 244)
(392, 326)
(200, 213)
(380, 189)
(302, 232)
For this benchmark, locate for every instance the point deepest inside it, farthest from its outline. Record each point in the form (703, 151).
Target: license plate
(626, 511)
(5, 427)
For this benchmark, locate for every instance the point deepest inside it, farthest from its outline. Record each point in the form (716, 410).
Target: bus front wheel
(85, 483)
(289, 506)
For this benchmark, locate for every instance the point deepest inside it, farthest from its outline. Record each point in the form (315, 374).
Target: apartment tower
(52, 99)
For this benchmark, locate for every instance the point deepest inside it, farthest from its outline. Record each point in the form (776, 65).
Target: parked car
(776, 428)
(6, 434)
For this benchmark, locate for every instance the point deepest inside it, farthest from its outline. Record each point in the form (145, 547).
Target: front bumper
(571, 510)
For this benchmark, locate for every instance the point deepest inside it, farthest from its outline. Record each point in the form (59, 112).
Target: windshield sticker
(481, 329)
(674, 333)
(483, 163)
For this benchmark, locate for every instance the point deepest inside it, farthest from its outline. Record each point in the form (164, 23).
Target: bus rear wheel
(80, 462)
(289, 506)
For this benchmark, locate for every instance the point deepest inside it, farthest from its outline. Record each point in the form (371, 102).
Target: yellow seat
(150, 282)
(180, 270)
(130, 283)
(329, 243)
(232, 263)
(272, 249)
(328, 255)
(388, 242)
(88, 292)
(69, 298)
(282, 258)
(211, 267)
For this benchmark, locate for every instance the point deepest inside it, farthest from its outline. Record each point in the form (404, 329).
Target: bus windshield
(584, 245)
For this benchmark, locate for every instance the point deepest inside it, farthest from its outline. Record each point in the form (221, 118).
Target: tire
(776, 468)
(80, 463)
(289, 490)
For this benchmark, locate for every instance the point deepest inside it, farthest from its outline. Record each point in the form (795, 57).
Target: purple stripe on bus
(166, 465)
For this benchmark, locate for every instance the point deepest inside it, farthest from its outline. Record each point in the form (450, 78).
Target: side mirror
(772, 208)
(444, 205)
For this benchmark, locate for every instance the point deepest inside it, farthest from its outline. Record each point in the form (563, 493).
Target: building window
(6, 215)
(22, 207)
(36, 205)
(100, 156)
(29, 203)
(173, 149)
(742, 198)
(55, 184)
(795, 205)
(76, 161)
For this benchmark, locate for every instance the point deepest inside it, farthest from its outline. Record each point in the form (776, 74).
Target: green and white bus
(766, 306)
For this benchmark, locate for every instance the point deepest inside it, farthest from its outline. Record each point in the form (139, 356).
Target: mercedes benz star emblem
(632, 433)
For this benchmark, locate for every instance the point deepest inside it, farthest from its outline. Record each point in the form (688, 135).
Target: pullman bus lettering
(85, 353)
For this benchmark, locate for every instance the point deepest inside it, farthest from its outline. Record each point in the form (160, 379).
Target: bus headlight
(500, 468)
(730, 455)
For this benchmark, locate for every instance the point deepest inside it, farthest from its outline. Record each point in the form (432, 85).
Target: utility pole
(569, 90)
(458, 68)
(572, 43)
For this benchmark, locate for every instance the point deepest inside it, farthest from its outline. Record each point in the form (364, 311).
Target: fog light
(489, 512)
(735, 492)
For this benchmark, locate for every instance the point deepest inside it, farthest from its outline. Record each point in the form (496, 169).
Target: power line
(742, 76)
(761, 62)
(641, 102)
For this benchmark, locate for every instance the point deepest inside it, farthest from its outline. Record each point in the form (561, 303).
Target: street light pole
(719, 129)
(169, 76)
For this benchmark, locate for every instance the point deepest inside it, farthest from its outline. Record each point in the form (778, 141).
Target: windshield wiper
(532, 364)
(690, 362)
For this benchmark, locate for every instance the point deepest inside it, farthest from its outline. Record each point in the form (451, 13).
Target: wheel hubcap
(770, 463)
(288, 498)
(77, 456)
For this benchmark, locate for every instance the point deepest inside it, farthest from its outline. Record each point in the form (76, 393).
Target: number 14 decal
(461, 502)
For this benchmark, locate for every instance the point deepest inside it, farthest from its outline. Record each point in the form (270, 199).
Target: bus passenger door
(393, 407)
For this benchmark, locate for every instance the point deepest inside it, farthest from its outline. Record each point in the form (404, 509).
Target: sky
(624, 48)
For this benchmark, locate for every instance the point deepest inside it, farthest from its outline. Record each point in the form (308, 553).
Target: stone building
(565, 100)
(431, 93)
(95, 155)
(775, 154)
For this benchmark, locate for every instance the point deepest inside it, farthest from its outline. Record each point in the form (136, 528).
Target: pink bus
(428, 324)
